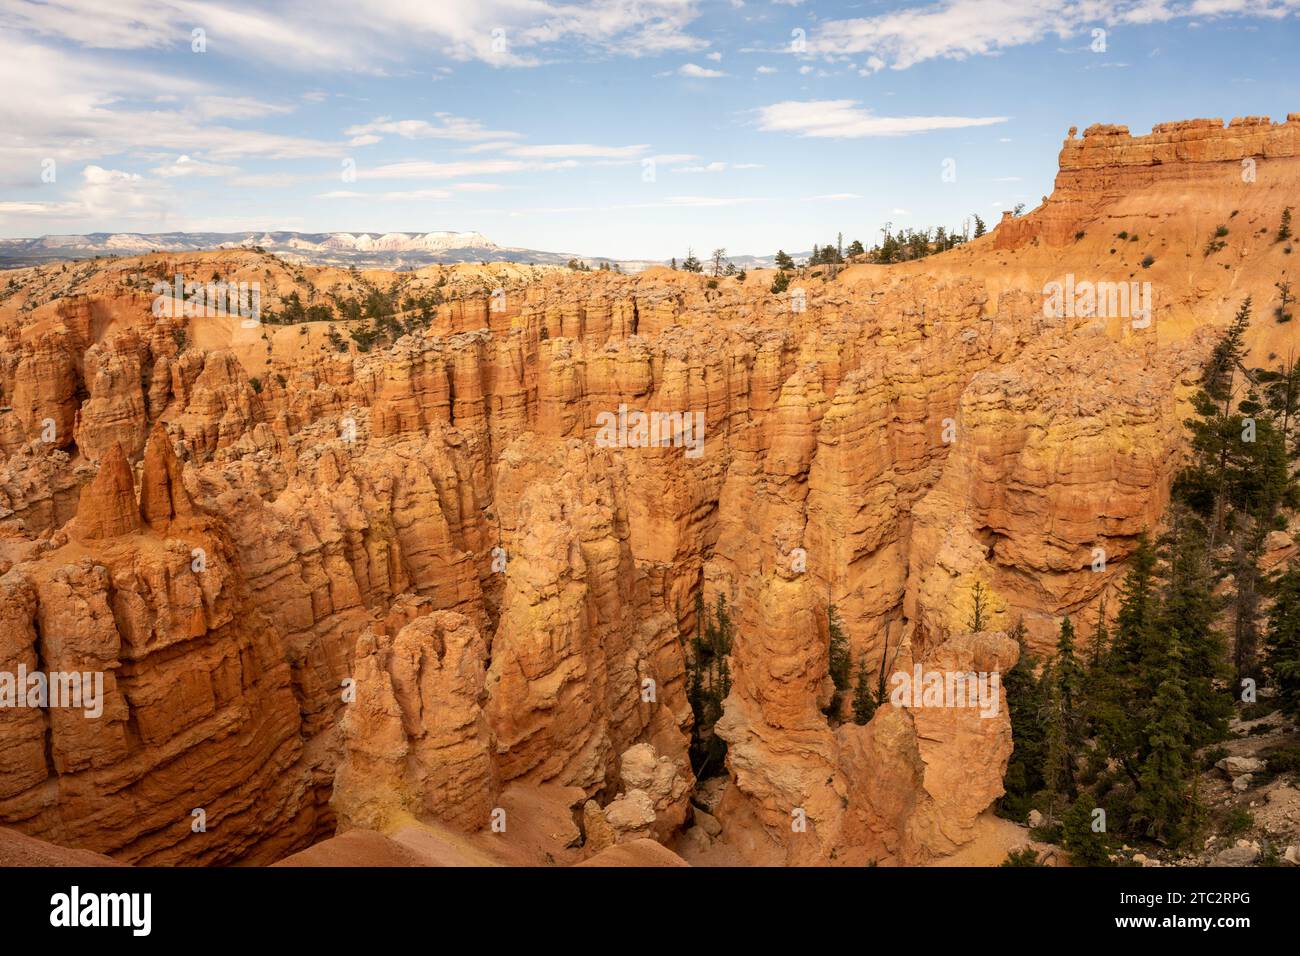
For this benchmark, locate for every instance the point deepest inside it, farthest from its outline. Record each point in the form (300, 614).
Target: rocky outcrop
(163, 498)
(444, 524)
(108, 506)
(1107, 163)
(654, 804)
(415, 736)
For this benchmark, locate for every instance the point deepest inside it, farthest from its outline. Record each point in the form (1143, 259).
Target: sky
(622, 128)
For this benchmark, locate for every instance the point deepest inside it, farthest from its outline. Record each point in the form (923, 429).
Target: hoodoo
(429, 602)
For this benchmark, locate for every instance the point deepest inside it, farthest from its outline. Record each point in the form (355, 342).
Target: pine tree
(1135, 606)
(982, 608)
(1284, 639)
(1188, 607)
(1087, 847)
(708, 682)
(1025, 707)
(840, 665)
(1163, 803)
(1284, 230)
(979, 226)
(1056, 767)
(1069, 673)
(783, 261)
(864, 705)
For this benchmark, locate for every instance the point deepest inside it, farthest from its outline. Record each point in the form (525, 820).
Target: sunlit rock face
(330, 589)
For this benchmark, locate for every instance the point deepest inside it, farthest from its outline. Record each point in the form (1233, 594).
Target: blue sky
(627, 128)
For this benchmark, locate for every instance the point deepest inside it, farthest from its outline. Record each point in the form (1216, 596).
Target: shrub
(1026, 856)
(1237, 821)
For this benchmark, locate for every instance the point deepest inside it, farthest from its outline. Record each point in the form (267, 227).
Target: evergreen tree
(1135, 607)
(780, 282)
(1057, 776)
(840, 665)
(854, 249)
(1284, 639)
(1069, 678)
(690, 263)
(1284, 230)
(783, 261)
(1189, 608)
(979, 226)
(1087, 847)
(1025, 706)
(1163, 803)
(864, 705)
(708, 683)
(981, 608)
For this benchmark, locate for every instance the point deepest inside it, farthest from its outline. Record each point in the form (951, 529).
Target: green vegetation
(840, 665)
(1216, 241)
(1120, 731)
(708, 681)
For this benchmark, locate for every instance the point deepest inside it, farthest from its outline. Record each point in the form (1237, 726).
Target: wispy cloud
(320, 35)
(844, 119)
(447, 127)
(957, 29)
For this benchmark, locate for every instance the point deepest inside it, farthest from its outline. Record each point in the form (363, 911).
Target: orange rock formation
(410, 587)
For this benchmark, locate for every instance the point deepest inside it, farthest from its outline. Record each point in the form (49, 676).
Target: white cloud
(577, 151)
(421, 169)
(843, 119)
(699, 72)
(764, 69)
(447, 127)
(322, 34)
(412, 195)
(235, 107)
(184, 166)
(77, 109)
(957, 29)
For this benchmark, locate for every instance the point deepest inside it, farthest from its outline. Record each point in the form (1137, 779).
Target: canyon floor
(401, 601)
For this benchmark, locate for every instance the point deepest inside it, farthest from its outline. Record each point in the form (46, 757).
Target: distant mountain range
(390, 250)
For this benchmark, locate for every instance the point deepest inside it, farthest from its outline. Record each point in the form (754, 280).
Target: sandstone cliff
(331, 588)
